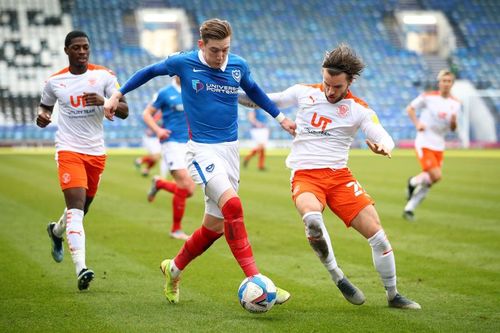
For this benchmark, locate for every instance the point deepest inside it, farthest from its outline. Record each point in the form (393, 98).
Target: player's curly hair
(215, 29)
(343, 59)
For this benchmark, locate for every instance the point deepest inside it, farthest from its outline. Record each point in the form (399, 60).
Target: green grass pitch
(448, 261)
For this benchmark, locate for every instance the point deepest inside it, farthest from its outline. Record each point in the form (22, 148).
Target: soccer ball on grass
(257, 294)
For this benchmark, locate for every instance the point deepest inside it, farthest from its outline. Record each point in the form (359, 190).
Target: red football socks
(198, 243)
(236, 236)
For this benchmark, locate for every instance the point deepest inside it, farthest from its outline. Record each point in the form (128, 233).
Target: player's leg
(249, 156)
(310, 208)
(56, 231)
(263, 140)
(310, 199)
(195, 245)
(367, 223)
(419, 185)
(184, 189)
(262, 157)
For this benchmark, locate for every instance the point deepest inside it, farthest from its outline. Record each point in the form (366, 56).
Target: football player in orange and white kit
(328, 117)
(438, 117)
(80, 90)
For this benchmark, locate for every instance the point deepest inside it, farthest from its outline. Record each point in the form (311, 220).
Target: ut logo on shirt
(76, 101)
(320, 121)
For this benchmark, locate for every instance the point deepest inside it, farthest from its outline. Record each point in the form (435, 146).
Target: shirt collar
(222, 68)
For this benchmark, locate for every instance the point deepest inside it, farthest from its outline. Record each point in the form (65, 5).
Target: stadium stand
(284, 42)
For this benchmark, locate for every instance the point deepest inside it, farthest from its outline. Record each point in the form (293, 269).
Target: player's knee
(313, 222)
(232, 209)
(435, 178)
(380, 243)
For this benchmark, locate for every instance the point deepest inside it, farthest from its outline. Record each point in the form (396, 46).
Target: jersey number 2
(358, 190)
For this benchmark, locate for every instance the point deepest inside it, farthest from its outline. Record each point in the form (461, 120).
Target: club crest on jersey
(342, 110)
(210, 168)
(236, 75)
(197, 85)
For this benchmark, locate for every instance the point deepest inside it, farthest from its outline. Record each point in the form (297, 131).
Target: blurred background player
(80, 91)
(328, 118)
(210, 78)
(438, 117)
(153, 147)
(260, 136)
(173, 135)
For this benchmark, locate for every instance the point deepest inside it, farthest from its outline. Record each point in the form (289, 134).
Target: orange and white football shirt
(80, 127)
(436, 116)
(325, 131)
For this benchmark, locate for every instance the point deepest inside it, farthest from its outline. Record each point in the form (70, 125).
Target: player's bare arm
(379, 148)
(147, 115)
(111, 105)
(453, 122)
(413, 117)
(288, 125)
(44, 115)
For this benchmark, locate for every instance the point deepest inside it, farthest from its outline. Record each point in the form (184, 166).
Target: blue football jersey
(209, 95)
(169, 101)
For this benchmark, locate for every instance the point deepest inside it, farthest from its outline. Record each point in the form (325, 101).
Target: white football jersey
(325, 131)
(80, 127)
(436, 116)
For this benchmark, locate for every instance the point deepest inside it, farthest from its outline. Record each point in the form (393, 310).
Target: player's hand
(110, 106)
(378, 148)
(289, 126)
(453, 122)
(163, 133)
(93, 99)
(43, 119)
(420, 126)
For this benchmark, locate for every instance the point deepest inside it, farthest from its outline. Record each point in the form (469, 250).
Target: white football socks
(175, 272)
(383, 260)
(319, 239)
(417, 197)
(76, 237)
(60, 226)
(421, 178)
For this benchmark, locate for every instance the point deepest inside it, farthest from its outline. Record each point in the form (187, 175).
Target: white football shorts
(152, 144)
(173, 155)
(219, 162)
(260, 135)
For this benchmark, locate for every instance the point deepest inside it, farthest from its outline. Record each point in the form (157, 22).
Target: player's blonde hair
(445, 72)
(215, 29)
(343, 59)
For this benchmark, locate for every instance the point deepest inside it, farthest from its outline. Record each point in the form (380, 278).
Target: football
(257, 294)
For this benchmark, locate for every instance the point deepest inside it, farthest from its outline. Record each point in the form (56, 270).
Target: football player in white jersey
(438, 117)
(328, 117)
(80, 90)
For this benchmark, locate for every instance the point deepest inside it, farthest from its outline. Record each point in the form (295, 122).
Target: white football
(257, 294)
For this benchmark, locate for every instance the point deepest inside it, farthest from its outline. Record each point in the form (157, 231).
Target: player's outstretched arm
(379, 148)
(44, 115)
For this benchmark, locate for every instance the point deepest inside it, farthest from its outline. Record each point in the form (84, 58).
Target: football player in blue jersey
(210, 79)
(260, 136)
(173, 135)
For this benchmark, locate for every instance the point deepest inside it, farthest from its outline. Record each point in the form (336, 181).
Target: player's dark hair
(74, 34)
(215, 29)
(343, 59)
